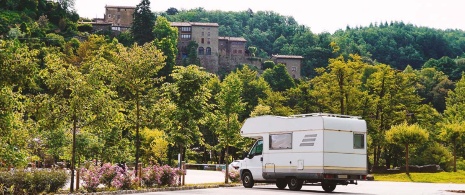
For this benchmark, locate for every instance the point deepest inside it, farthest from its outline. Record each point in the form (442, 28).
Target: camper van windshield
(258, 148)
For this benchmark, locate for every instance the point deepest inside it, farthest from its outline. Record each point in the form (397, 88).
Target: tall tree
(229, 106)
(143, 23)
(136, 69)
(189, 95)
(454, 135)
(166, 39)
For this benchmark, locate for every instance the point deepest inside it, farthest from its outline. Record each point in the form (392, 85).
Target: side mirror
(250, 156)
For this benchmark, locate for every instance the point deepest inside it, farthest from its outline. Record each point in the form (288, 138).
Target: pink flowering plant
(160, 176)
(90, 179)
(124, 180)
(107, 172)
(151, 175)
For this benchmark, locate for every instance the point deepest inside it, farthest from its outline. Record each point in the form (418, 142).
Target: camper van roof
(316, 121)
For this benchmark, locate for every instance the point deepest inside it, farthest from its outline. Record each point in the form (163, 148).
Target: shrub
(160, 176)
(107, 172)
(90, 178)
(32, 182)
(125, 180)
(57, 180)
(151, 175)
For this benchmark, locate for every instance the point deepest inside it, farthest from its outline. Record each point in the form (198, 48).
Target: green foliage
(404, 134)
(144, 21)
(84, 28)
(278, 77)
(34, 181)
(268, 65)
(166, 39)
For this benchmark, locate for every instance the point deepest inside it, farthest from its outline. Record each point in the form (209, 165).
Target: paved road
(364, 188)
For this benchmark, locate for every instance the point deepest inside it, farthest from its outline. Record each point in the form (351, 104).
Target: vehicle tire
(281, 184)
(247, 180)
(328, 187)
(294, 184)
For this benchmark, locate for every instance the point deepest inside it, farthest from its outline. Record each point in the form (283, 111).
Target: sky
(320, 16)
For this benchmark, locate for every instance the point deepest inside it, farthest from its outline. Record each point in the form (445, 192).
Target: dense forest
(69, 95)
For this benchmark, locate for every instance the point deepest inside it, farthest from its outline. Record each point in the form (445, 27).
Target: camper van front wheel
(294, 183)
(247, 180)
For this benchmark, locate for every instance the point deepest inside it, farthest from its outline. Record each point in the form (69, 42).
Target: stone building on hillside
(293, 64)
(206, 36)
(223, 53)
(120, 17)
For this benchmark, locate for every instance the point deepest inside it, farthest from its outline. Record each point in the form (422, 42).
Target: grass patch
(441, 177)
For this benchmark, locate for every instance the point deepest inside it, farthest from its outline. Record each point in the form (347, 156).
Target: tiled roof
(193, 24)
(118, 6)
(240, 39)
(287, 56)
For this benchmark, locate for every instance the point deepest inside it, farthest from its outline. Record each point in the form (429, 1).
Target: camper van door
(254, 160)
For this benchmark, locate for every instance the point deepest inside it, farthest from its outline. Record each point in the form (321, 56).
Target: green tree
(166, 39)
(189, 95)
(229, 106)
(135, 74)
(454, 134)
(144, 21)
(406, 135)
(192, 58)
(278, 78)
(253, 89)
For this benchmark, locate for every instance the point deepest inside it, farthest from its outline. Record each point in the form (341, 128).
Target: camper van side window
(359, 141)
(280, 141)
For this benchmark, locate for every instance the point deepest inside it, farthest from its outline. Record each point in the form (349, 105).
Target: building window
(294, 69)
(201, 51)
(201, 40)
(185, 29)
(359, 141)
(208, 41)
(119, 9)
(203, 33)
(185, 36)
(280, 141)
(234, 51)
(109, 15)
(209, 51)
(239, 51)
(208, 33)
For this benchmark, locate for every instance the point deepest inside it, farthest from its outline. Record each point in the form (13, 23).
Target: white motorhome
(319, 149)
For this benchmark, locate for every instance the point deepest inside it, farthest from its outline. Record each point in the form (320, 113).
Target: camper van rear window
(280, 141)
(359, 141)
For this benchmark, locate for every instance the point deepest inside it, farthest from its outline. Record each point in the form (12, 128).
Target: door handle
(261, 158)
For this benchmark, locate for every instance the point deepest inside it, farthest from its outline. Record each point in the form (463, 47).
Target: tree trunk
(137, 134)
(406, 159)
(455, 157)
(73, 155)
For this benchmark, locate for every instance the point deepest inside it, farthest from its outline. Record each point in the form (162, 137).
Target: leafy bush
(108, 175)
(160, 176)
(90, 178)
(32, 182)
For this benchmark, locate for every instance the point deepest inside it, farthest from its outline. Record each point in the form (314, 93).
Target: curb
(162, 189)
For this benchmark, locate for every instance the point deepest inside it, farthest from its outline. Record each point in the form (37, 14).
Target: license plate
(342, 176)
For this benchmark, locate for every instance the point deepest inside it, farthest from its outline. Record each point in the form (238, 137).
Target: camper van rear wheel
(247, 180)
(281, 183)
(294, 183)
(328, 187)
